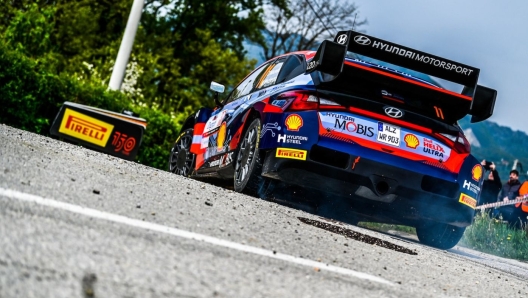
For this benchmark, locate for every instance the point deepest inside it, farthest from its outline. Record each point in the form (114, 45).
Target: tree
(180, 46)
(305, 24)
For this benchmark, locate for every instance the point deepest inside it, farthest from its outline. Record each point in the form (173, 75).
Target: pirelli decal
(86, 128)
(467, 200)
(291, 153)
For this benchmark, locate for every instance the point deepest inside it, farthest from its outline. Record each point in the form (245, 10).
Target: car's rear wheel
(439, 235)
(248, 166)
(181, 160)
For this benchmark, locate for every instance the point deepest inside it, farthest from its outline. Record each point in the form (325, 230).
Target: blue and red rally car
(360, 123)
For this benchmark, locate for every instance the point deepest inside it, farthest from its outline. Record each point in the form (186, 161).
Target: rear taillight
(458, 142)
(300, 101)
(306, 100)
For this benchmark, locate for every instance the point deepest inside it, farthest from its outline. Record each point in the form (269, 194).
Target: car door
(218, 130)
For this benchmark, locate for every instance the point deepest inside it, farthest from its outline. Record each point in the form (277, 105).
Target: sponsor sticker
(467, 200)
(342, 39)
(270, 127)
(293, 122)
(471, 186)
(416, 56)
(312, 64)
(343, 125)
(214, 163)
(278, 103)
(220, 138)
(362, 40)
(86, 128)
(226, 159)
(291, 153)
(123, 143)
(432, 148)
(214, 122)
(476, 172)
(411, 141)
(290, 139)
(204, 143)
(388, 134)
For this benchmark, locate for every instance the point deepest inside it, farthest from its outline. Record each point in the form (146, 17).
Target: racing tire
(248, 165)
(181, 160)
(439, 235)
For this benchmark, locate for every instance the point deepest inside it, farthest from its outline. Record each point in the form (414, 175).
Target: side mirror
(483, 104)
(217, 88)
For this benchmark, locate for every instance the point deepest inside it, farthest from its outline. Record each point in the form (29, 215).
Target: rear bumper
(394, 190)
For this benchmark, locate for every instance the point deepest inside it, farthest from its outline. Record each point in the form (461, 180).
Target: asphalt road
(77, 223)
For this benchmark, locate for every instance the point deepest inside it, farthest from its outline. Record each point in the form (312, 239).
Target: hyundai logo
(342, 39)
(393, 112)
(362, 40)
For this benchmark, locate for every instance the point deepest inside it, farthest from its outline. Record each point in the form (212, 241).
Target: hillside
(499, 144)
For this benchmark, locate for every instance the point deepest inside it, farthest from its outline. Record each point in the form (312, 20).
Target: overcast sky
(489, 35)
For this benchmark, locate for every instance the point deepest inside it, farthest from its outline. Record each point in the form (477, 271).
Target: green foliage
(32, 96)
(52, 51)
(159, 137)
(180, 46)
(192, 89)
(30, 32)
(499, 144)
(492, 236)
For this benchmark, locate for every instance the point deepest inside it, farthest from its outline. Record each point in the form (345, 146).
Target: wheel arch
(188, 123)
(199, 116)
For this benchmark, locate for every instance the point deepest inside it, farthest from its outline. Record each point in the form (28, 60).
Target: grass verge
(495, 237)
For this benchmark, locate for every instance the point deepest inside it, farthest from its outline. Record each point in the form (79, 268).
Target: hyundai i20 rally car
(359, 122)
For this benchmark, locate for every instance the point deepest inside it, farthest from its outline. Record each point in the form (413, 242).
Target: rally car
(361, 122)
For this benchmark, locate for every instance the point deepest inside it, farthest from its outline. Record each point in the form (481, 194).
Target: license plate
(388, 134)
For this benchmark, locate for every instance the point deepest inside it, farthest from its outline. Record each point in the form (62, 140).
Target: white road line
(13, 194)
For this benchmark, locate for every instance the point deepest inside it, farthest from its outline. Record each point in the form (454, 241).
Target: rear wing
(330, 58)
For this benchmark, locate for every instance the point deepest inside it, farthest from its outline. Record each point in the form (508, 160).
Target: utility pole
(127, 42)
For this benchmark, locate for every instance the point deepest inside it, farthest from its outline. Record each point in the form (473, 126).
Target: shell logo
(411, 141)
(220, 139)
(476, 172)
(293, 122)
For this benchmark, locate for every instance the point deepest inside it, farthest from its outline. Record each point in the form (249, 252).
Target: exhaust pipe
(382, 188)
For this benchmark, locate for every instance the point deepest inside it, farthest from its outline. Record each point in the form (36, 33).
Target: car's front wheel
(181, 160)
(439, 235)
(248, 166)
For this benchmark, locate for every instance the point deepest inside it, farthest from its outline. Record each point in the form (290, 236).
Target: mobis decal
(86, 128)
(364, 128)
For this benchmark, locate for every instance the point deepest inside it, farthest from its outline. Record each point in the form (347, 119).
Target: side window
(247, 85)
(269, 76)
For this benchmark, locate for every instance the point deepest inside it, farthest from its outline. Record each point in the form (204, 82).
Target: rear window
(367, 85)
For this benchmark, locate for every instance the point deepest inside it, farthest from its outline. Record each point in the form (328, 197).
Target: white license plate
(388, 134)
